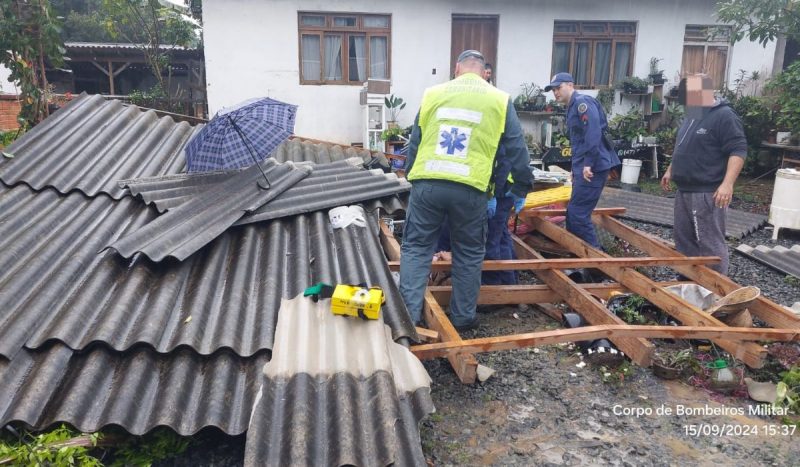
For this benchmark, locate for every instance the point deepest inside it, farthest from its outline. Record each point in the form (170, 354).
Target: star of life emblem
(453, 141)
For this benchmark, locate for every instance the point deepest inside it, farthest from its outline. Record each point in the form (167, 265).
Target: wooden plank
(639, 350)
(464, 364)
(765, 309)
(588, 333)
(751, 354)
(531, 294)
(530, 213)
(427, 334)
(551, 311)
(572, 263)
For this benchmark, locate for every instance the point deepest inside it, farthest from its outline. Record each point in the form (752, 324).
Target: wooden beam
(464, 364)
(551, 311)
(427, 334)
(529, 213)
(99, 67)
(530, 294)
(572, 263)
(751, 354)
(639, 350)
(111, 78)
(765, 309)
(121, 69)
(588, 333)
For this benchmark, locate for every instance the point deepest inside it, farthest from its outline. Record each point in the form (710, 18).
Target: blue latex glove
(491, 207)
(519, 202)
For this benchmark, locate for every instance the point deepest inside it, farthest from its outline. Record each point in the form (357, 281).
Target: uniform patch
(453, 141)
(582, 107)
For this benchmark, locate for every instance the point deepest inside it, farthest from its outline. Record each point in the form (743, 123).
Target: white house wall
(251, 49)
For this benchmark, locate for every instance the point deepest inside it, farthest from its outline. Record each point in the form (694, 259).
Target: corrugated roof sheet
(659, 210)
(780, 258)
(92, 143)
(138, 390)
(209, 212)
(120, 45)
(62, 289)
(334, 393)
(201, 206)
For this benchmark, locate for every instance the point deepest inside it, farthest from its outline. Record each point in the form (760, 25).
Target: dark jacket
(702, 148)
(512, 153)
(586, 123)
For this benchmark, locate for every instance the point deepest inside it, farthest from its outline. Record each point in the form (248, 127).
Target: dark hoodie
(703, 145)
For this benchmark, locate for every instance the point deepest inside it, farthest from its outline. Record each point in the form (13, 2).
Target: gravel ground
(539, 408)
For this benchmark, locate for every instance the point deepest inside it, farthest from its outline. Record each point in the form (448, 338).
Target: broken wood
(639, 350)
(531, 294)
(427, 334)
(551, 310)
(765, 309)
(572, 263)
(588, 333)
(751, 354)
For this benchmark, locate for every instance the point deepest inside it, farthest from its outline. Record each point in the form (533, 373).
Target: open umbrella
(241, 136)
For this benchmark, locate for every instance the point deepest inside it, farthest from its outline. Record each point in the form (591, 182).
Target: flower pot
(391, 124)
(666, 372)
(783, 137)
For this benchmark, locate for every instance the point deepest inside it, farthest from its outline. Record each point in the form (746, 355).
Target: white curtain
(333, 58)
(602, 63)
(561, 57)
(311, 64)
(622, 60)
(378, 58)
(581, 63)
(358, 59)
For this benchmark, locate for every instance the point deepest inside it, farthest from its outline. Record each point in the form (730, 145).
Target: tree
(150, 25)
(761, 20)
(30, 40)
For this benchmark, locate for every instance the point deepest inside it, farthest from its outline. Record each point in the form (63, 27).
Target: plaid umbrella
(241, 136)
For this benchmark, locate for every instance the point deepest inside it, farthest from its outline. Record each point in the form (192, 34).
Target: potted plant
(656, 75)
(392, 134)
(531, 98)
(633, 85)
(395, 105)
(672, 364)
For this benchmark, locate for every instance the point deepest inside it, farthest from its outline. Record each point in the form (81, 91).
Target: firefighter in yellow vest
(451, 159)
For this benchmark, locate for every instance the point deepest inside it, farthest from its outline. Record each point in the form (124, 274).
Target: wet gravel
(539, 408)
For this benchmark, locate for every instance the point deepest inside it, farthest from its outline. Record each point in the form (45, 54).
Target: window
(596, 53)
(706, 50)
(343, 48)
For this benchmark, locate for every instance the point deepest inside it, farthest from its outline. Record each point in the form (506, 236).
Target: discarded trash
(484, 373)
(187, 320)
(761, 392)
(580, 365)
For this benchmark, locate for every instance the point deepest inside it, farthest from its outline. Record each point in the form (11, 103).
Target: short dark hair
(471, 53)
(488, 66)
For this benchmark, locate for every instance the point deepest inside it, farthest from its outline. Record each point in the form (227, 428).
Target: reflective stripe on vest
(461, 122)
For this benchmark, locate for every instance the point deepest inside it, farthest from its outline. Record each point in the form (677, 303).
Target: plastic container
(722, 378)
(630, 171)
(784, 211)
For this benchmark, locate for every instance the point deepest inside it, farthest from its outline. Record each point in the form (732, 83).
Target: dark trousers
(699, 228)
(465, 209)
(585, 196)
(499, 244)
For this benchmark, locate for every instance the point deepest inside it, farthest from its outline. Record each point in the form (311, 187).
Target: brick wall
(9, 109)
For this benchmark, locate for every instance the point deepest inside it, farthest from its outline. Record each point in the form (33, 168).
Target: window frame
(592, 38)
(345, 32)
(709, 42)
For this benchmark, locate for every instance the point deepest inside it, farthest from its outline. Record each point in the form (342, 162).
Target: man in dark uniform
(592, 156)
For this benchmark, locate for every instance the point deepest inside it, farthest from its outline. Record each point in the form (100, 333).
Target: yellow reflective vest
(461, 123)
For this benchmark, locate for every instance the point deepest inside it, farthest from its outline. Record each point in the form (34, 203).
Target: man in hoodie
(710, 150)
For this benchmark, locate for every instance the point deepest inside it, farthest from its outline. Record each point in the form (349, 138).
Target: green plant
(561, 140)
(654, 66)
(158, 445)
(791, 280)
(789, 393)
(395, 105)
(391, 134)
(606, 98)
(680, 359)
(627, 126)
(616, 376)
(632, 85)
(786, 85)
(59, 447)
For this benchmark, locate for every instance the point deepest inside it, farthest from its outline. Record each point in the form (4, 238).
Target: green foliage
(59, 447)
(654, 61)
(605, 97)
(158, 445)
(529, 94)
(627, 126)
(789, 393)
(30, 37)
(391, 133)
(761, 20)
(632, 85)
(791, 280)
(8, 137)
(395, 105)
(616, 376)
(786, 85)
